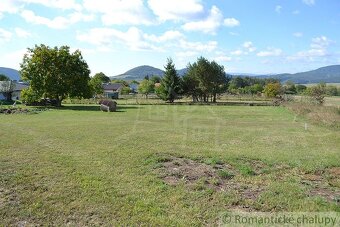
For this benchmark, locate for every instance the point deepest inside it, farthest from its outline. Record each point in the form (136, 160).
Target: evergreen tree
(170, 84)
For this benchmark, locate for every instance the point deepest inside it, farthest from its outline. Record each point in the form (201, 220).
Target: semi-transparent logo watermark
(280, 219)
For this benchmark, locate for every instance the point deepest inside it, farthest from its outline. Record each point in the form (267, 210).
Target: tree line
(57, 73)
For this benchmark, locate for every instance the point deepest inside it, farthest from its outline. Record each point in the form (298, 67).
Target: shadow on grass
(94, 108)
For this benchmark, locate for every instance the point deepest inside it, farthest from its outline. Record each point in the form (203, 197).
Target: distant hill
(140, 72)
(328, 74)
(11, 73)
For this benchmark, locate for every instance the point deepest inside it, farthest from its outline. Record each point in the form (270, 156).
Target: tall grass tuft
(325, 115)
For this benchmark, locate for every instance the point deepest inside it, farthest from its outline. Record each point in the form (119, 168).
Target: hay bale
(108, 105)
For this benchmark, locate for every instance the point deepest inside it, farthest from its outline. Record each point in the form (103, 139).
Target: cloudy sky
(252, 36)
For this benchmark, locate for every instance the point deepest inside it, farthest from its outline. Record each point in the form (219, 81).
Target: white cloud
(117, 12)
(318, 48)
(21, 33)
(278, 9)
(321, 42)
(133, 38)
(296, 12)
(57, 22)
(186, 54)
(198, 46)
(231, 22)
(60, 4)
(298, 34)
(309, 2)
(237, 52)
(5, 35)
(177, 10)
(270, 52)
(8, 6)
(167, 36)
(249, 46)
(209, 24)
(233, 33)
(223, 58)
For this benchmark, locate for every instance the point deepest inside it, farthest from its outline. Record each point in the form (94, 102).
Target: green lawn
(80, 166)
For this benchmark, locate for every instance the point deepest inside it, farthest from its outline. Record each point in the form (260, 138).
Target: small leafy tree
(28, 95)
(331, 90)
(102, 77)
(271, 90)
(290, 88)
(170, 84)
(317, 93)
(300, 88)
(125, 90)
(146, 87)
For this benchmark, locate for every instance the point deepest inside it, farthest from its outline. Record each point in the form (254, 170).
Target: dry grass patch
(327, 115)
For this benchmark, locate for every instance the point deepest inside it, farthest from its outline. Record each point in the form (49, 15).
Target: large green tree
(170, 84)
(56, 73)
(205, 80)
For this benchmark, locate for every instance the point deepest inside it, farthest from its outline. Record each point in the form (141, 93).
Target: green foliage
(28, 95)
(290, 88)
(56, 73)
(317, 93)
(331, 90)
(272, 90)
(300, 89)
(225, 174)
(171, 83)
(134, 82)
(205, 80)
(156, 79)
(248, 85)
(96, 85)
(4, 77)
(102, 77)
(125, 90)
(146, 87)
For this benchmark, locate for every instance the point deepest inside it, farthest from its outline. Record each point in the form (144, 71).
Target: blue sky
(252, 36)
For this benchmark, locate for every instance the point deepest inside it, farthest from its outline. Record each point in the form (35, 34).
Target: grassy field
(163, 165)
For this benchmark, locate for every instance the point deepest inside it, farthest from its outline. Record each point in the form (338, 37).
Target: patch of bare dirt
(324, 184)
(225, 177)
(198, 175)
(8, 198)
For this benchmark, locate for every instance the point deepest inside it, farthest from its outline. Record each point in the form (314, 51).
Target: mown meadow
(163, 164)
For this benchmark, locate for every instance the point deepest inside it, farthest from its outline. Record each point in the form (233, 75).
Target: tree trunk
(58, 102)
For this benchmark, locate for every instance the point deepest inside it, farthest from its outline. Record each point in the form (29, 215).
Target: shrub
(272, 90)
(28, 95)
(317, 94)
